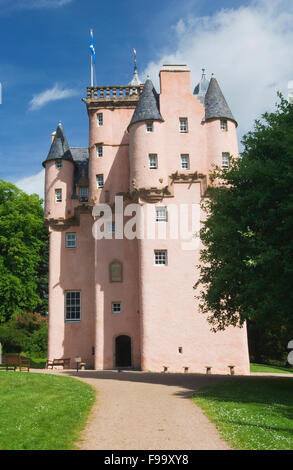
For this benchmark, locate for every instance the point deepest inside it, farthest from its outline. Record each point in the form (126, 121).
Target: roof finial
(135, 80)
(203, 73)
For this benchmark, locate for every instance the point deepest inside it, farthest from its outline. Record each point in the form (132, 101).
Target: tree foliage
(23, 252)
(247, 255)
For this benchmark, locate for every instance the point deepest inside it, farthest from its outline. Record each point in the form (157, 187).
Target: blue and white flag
(92, 46)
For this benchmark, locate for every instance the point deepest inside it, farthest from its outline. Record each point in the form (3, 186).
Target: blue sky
(45, 48)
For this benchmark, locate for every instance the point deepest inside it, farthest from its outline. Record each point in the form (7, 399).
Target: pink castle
(120, 301)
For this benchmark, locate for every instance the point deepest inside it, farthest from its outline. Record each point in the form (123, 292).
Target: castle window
(224, 125)
(185, 162)
(225, 160)
(83, 191)
(115, 271)
(100, 181)
(116, 307)
(99, 151)
(153, 161)
(70, 240)
(58, 195)
(99, 119)
(161, 214)
(183, 125)
(58, 164)
(180, 350)
(72, 306)
(149, 127)
(161, 257)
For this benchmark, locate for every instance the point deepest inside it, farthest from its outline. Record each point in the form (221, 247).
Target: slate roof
(201, 88)
(135, 79)
(215, 104)
(81, 160)
(59, 148)
(148, 105)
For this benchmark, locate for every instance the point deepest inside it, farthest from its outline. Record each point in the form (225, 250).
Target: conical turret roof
(201, 88)
(59, 148)
(215, 104)
(147, 108)
(135, 79)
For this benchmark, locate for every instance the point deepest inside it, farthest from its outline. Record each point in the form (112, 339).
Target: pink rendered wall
(58, 179)
(114, 165)
(178, 102)
(141, 145)
(219, 141)
(170, 315)
(72, 269)
(169, 312)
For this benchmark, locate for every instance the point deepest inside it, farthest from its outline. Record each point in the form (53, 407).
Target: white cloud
(33, 184)
(53, 94)
(8, 6)
(249, 49)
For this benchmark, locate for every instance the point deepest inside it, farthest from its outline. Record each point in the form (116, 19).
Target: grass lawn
(270, 369)
(42, 412)
(251, 414)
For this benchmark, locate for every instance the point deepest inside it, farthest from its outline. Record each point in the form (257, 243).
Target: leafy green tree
(247, 255)
(23, 252)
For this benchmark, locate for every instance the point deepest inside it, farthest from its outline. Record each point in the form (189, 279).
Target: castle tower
(122, 301)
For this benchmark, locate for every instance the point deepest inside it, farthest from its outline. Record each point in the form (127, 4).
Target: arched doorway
(123, 351)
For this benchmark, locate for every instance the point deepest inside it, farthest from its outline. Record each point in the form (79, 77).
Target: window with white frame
(116, 307)
(183, 125)
(72, 306)
(225, 160)
(149, 127)
(153, 161)
(99, 119)
(70, 240)
(185, 162)
(161, 214)
(110, 227)
(58, 195)
(99, 151)
(83, 191)
(224, 125)
(58, 164)
(161, 257)
(100, 181)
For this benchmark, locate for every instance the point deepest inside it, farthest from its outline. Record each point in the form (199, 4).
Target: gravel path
(135, 410)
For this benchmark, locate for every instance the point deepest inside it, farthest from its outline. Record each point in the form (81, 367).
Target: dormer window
(149, 127)
(224, 125)
(183, 125)
(99, 119)
(58, 164)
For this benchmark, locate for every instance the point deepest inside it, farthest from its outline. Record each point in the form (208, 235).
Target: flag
(92, 47)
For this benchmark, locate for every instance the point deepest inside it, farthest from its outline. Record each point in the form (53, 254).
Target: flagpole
(92, 64)
(92, 72)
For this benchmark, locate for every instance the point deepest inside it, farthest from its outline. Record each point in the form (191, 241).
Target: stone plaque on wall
(115, 271)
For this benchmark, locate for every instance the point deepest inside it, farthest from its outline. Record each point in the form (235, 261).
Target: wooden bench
(14, 361)
(65, 362)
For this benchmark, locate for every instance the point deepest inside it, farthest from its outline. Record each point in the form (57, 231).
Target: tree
(247, 255)
(23, 252)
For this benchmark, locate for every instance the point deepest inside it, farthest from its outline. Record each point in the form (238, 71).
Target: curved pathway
(147, 411)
